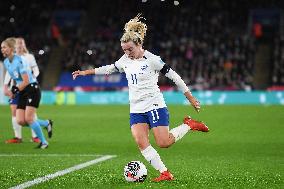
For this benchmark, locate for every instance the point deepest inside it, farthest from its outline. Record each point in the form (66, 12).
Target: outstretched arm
(108, 69)
(171, 74)
(83, 73)
(193, 101)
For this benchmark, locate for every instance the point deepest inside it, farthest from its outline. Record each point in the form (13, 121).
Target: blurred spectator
(201, 43)
(206, 42)
(257, 30)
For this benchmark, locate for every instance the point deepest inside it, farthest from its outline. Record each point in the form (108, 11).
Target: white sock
(152, 156)
(17, 128)
(179, 131)
(33, 133)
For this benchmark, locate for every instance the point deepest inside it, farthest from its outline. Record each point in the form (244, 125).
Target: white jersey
(142, 76)
(30, 59)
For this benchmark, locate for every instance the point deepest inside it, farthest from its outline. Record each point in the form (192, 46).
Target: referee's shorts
(30, 96)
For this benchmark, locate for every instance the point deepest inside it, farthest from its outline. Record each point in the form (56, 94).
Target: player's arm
(108, 69)
(22, 86)
(7, 92)
(35, 70)
(33, 65)
(171, 74)
(7, 81)
(25, 82)
(83, 73)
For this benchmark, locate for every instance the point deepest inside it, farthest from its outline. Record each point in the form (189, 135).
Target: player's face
(132, 50)
(6, 50)
(19, 46)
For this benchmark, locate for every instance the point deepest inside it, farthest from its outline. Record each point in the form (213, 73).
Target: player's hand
(195, 103)
(7, 92)
(15, 89)
(77, 73)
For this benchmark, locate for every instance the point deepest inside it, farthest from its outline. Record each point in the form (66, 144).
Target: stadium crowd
(278, 61)
(208, 43)
(34, 21)
(13, 21)
(208, 48)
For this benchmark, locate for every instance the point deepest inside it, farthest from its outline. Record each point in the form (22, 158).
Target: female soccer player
(26, 87)
(22, 51)
(147, 106)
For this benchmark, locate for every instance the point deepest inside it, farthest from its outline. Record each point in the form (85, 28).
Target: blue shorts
(154, 118)
(14, 100)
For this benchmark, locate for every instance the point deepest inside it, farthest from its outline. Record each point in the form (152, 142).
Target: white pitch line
(49, 155)
(62, 172)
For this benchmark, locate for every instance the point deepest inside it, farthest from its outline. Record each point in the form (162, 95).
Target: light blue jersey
(17, 67)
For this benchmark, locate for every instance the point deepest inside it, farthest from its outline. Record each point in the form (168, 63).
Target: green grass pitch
(244, 149)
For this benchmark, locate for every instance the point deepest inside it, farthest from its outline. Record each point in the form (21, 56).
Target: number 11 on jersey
(134, 78)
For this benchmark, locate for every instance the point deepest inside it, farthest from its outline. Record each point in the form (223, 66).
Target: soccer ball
(135, 171)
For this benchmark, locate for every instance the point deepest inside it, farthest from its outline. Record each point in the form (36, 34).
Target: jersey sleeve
(157, 63)
(32, 61)
(171, 74)
(119, 65)
(108, 69)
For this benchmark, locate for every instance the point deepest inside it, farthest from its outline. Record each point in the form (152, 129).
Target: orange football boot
(195, 125)
(166, 175)
(35, 140)
(13, 141)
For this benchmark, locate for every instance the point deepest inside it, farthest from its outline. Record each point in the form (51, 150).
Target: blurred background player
(26, 90)
(21, 50)
(147, 105)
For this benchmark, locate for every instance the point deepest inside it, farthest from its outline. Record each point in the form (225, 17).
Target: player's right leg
(140, 132)
(16, 127)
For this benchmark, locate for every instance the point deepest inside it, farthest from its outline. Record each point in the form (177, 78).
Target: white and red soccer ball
(135, 171)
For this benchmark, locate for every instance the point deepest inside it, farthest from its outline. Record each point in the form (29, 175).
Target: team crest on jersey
(16, 74)
(144, 67)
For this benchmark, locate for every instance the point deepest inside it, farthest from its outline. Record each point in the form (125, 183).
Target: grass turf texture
(244, 149)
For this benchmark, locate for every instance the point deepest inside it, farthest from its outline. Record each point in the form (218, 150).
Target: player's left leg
(29, 118)
(34, 137)
(165, 138)
(47, 124)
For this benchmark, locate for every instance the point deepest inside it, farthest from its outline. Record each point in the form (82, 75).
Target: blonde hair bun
(134, 30)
